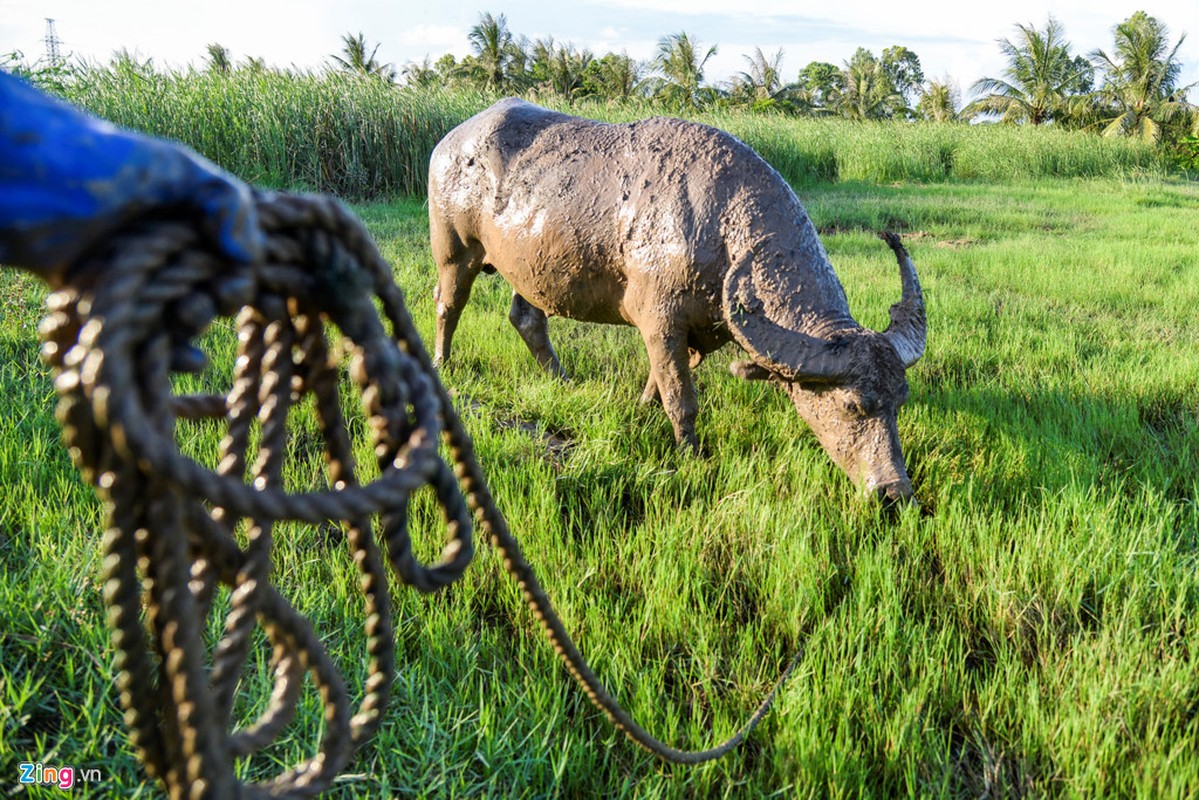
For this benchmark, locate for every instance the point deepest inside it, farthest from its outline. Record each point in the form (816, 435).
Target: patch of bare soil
(557, 446)
(952, 244)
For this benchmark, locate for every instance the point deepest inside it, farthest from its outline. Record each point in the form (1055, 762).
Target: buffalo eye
(866, 405)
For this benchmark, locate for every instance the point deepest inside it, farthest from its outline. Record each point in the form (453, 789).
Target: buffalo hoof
(689, 445)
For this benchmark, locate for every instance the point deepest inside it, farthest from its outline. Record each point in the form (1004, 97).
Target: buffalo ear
(749, 371)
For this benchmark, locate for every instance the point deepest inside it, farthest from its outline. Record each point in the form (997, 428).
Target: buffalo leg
(533, 327)
(671, 377)
(650, 394)
(450, 295)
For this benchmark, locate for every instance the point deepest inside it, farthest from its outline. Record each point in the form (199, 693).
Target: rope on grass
(177, 530)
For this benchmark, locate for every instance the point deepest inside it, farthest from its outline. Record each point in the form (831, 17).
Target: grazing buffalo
(682, 231)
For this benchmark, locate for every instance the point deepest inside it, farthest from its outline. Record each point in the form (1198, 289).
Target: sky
(954, 39)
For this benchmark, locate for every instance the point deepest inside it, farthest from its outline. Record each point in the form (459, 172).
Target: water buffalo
(683, 231)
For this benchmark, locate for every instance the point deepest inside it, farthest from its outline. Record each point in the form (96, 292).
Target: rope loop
(134, 314)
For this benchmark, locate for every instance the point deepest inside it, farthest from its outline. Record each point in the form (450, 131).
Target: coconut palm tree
(541, 53)
(494, 48)
(1139, 94)
(866, 90)
(359, 62)
(682, 69)
(761, 85)
(613, 77)
(939, 102)
(1041, 83)
(764, 80)
(566, 69)
(420, 74)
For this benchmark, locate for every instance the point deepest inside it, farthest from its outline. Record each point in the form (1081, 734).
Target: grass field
(1029, 631)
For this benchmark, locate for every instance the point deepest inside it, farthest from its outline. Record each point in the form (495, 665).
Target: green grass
(1029, 632)
(810, 151)
(355, 138)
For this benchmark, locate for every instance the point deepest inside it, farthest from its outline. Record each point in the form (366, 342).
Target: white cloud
(435, 38)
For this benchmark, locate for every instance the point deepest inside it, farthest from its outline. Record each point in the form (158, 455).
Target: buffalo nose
(895, 494)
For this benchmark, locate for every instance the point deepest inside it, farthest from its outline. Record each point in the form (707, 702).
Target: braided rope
(113, 337)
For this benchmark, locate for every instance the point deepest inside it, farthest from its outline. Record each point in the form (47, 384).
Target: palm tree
(765, 77)
(613, 77)
(493, 45)
(567, 68)
(866, 90)
(218, 59)
(541, 53)
(520, 75)
(682, 68)
(761, 87)
(1139, 93)
(560, 68)
(358, 62)
(939, 102)
(1041, 83)
(423, 74)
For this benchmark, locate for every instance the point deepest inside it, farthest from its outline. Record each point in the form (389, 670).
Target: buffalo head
(847, 382)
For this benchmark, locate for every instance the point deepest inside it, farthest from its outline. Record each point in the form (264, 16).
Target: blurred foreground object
(147, 247)
(67, 179)
(113, 337)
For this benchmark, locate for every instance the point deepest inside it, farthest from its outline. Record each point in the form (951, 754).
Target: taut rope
(115, 334)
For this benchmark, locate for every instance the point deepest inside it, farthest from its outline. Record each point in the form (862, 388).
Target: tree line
(1132, 89)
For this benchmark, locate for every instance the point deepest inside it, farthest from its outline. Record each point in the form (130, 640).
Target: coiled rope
(126, 321)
